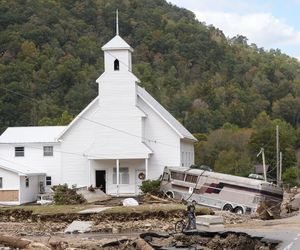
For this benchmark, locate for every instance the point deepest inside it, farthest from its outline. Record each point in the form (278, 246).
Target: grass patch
(69, 209)
(50, 209)
(153, 208)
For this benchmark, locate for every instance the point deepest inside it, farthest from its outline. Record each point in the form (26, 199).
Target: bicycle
(181, 225)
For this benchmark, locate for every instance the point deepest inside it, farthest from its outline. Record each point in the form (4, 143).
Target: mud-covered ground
(116, 231)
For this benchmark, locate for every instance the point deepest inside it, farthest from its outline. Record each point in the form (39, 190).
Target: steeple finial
(117, 23)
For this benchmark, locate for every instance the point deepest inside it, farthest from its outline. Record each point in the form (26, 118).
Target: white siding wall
(34, 157)
(86, 138)
(186, 153)
(124, 57)
(78, 140)
(29, 194)
(167, 149)
(10, 180)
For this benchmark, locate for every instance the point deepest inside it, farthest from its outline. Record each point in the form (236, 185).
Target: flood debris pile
(232, 218)
(291, 202)
(66, 196)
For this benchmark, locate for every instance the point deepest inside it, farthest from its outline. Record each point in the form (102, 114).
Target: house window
(27, 182)
(19, 151)
(0, 182)
(123, 176)
(116, 64)
(48, 150)
(48, 180)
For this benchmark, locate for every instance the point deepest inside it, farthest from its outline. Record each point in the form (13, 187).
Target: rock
(37, 245)
(59, 244)
(79, 226)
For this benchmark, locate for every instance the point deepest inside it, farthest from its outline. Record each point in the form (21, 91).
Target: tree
(288, 108)
(290, 176)
(264, 136)
(226, 150)
(64, 119)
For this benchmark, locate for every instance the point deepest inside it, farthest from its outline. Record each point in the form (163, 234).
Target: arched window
(116, 64)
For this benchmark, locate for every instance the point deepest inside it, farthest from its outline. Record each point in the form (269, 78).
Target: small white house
(121, 138)
(19, 184)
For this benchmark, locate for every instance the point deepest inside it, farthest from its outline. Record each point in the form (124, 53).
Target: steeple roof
(117, 43)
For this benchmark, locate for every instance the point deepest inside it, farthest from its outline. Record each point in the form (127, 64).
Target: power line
(105, 125)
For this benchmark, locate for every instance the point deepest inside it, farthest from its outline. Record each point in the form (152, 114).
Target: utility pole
(277, 154)
(262, 152)
(280, 168)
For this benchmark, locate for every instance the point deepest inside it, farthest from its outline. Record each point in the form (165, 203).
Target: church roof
(117, 43)
(165, 115)
(31, 134)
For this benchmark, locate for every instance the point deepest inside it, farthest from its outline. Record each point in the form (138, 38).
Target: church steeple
(117, 53)
(117, 22)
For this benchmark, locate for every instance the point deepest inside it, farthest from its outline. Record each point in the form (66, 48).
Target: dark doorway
(100, 180)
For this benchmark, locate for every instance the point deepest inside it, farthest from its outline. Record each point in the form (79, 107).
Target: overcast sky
(267, 23)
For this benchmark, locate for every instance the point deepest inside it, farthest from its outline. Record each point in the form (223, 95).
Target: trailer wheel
(227, 207)
(170, 195)
(238, 210)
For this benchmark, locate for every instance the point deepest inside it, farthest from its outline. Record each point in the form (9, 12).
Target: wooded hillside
(50, 50)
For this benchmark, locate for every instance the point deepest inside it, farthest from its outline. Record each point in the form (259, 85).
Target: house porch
(118, 177)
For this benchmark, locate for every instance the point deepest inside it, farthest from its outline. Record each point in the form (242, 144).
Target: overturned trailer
(222, 191)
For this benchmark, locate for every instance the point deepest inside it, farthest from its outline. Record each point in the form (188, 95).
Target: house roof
(117, 43)
(165, 115)
(31, 134)
(18, 168)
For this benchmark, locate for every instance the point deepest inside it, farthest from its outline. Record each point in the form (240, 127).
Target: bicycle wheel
(179, 226)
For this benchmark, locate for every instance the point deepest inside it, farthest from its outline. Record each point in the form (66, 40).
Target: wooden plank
(9, 195)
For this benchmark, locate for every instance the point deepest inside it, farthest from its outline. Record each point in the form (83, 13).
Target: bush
(150, 186)
(290, 176)
(66, 196)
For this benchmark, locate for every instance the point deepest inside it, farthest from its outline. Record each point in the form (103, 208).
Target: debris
(129, 202)
(15, 242)
(37, 246)
(45, 199)
(142, 245)
(264, 212)
(93, 196)
(93, 210)
(209, 223)
(66, 196)
(232, 218)
(79, 227)
(152, 199)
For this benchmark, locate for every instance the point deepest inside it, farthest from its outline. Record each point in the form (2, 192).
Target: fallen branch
(15, 242)
(142, 245)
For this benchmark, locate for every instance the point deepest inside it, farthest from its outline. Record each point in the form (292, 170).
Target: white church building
(121, 138)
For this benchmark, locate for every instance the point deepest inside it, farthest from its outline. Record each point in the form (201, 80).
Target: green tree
(264, 136)
(64, 119)
(290, 176)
